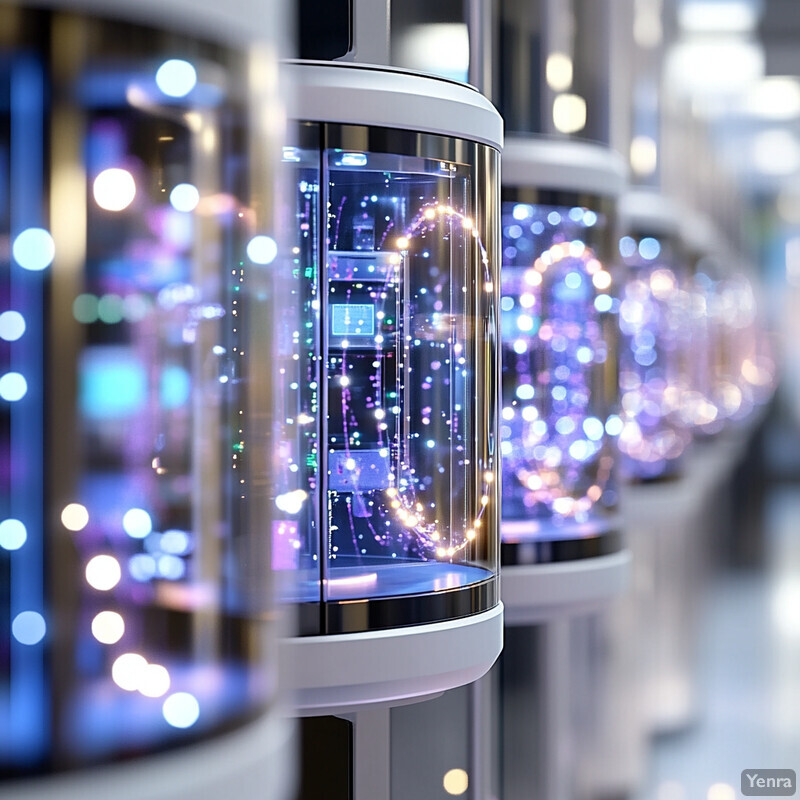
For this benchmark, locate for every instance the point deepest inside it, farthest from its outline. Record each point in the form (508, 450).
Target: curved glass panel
(654, 320)
(398, 351)
(134, 583)
(559, 370)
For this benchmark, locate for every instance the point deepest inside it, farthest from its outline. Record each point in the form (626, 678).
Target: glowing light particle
(34, 249)
(601, 280)
(181, 710)
(74, 517)
(13, 534)
(603, 303)
(114, 189)
(262, 250)
(649, 248)
(184, 197)
(137, 523)
(176, 77)
(455, 781)
(103, 573)
(12, 325)
(154, 681)
(108, 627)
(13, 387)
(127, 671)
(29, 627)
(525, 391)
(291, 502)
(593, 428)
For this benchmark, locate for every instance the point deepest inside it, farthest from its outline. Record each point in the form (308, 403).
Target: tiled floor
(749, 672)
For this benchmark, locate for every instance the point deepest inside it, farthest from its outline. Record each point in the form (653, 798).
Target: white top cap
(563, 165)
(232, 22)
(362, 94)
(649, 211)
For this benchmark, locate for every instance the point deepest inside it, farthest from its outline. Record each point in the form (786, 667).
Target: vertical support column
(370, 26)
(371, 753)
(557, 741)
(480, 23)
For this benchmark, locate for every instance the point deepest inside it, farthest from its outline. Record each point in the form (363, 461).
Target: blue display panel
(139, 448)
(559, 414)
(396, 370)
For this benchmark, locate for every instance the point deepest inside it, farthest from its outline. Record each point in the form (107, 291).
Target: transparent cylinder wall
(131, 579)
(396, 391)
(559, 370)
(654, 318)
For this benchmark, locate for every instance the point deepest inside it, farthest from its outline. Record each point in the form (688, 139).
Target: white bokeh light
(176, 77)
(137, 523)
(184, 197)
(74, 517)
(103, 573)
(262, 249)
(114, 189)
(127, 671)
(108, 627)
(181, 710)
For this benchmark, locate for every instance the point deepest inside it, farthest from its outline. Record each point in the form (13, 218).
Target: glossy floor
(749, 708)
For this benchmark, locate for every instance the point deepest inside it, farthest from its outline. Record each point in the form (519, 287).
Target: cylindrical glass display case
(654, 318)
(559, 335)
(140, 431)
(394, 378)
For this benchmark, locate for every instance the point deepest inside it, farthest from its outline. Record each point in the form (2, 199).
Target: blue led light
(593, 428)
(184, 197)
(603, 303)
(13, 534)
(12, 325)
(137, 523)
(13, 386)
(174, 387)
(34, 249)
(525, 391)
(29, 627)
(565, 425)
(142, 567)
(175, 542)
(171, 567)
(627, 246)
(614, 425)
(176, 77)
(181, 710)
(573, 280)
(589, 218)
(649, 248)
(554, 218)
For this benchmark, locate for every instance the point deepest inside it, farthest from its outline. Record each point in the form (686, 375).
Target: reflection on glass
(653, 319)
(559, 374)
(132, 582)
(395, 404)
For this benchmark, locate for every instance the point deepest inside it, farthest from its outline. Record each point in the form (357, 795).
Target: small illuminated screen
(357, 319)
